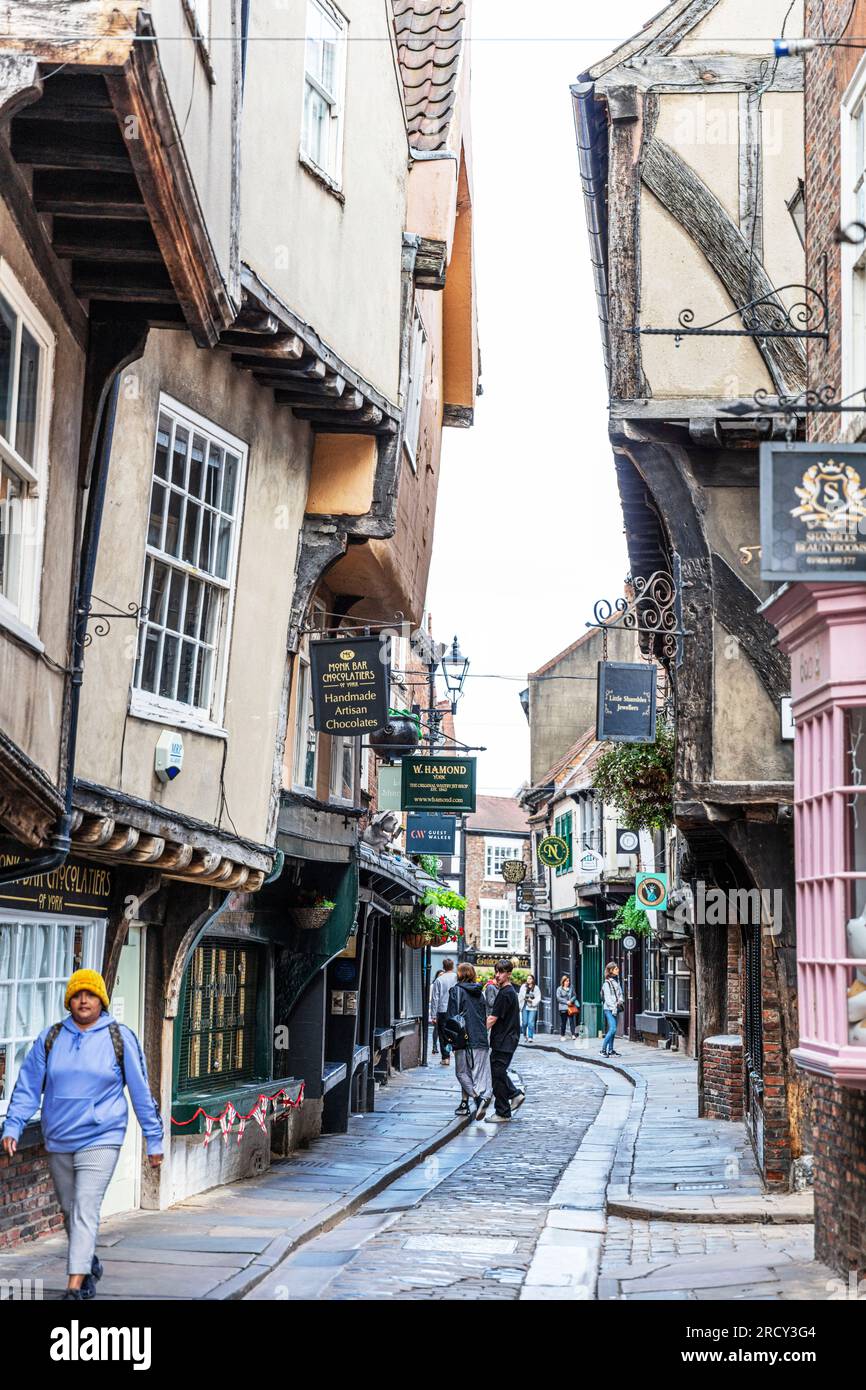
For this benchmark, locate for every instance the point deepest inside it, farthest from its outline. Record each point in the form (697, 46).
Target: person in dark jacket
(472, 1063)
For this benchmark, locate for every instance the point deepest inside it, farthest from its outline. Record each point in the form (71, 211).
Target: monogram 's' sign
(813, 512)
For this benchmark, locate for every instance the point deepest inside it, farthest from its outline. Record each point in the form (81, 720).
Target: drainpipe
(61, 838)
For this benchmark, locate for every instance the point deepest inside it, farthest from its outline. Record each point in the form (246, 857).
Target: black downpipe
(61, 839)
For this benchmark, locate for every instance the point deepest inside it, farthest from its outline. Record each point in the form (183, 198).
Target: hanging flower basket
(415, 940)
(311, 911)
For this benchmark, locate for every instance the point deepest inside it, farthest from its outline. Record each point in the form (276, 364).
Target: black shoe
(614, 1054)
(96, 1269)
(72, 1295)
(481, 1107)
(463, 1108)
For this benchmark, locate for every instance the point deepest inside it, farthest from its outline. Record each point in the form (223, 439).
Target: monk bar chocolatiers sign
(351, 679)
(74, 890)
(438, 784)
(626, 709)
(813, 512)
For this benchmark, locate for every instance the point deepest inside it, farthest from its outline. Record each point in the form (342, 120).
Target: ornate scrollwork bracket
(102, 621)
(651, 609)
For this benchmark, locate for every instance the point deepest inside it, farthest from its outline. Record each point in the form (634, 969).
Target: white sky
(529, 531)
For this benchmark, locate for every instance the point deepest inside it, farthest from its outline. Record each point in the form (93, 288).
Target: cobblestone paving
(488, 1214)
(691, 1260)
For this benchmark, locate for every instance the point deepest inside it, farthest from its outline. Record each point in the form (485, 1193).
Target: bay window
(496, 852)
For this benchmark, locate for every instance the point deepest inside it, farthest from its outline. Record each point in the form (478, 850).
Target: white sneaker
(518, 1101)
(499, 1120)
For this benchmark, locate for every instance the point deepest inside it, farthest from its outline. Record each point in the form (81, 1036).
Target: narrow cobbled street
(457, 1232)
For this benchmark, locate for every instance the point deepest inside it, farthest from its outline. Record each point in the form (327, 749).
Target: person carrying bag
(613, 1004)
(465, 1027)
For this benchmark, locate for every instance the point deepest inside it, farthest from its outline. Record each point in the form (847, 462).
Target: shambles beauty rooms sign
(351, 678)
(813, 512)
(626, 709)
(438, 784)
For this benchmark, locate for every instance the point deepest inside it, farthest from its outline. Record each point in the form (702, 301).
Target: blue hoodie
(84, 1105)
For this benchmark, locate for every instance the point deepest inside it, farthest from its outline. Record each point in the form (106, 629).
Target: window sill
(175, 719)
(321, 177)
(13, 625)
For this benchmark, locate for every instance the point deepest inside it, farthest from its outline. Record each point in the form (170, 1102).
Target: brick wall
(840, 1177)
(723, 1077)
(734, 981)
(28, 1205)
(774, 1102)
(477, 886)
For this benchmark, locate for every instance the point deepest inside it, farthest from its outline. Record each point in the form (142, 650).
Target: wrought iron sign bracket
(102, 621)
(764, 317)
(820, 401)
(652, 610)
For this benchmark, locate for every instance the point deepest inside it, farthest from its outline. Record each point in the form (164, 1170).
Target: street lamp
(454, 668)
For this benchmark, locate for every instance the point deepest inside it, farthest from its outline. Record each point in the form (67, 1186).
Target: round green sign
(553, 852)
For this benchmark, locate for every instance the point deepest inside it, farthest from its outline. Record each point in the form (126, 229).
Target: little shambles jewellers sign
(74, 890)
(438, 784)
(626, 708)
(350, 685)
(430, 834)
(813, 512)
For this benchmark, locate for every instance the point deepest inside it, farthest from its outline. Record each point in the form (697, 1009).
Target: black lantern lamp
(454, 667)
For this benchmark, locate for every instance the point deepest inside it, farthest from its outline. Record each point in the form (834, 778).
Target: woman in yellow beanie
(82, 1066)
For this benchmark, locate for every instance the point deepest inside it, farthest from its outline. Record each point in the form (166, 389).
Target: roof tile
(429, 48)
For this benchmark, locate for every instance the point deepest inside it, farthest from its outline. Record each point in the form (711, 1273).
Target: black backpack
(116, 1041)
(455, 1029)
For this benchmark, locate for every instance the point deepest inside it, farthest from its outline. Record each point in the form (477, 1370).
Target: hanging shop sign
(351, 679)
(430, 834)
(71, 890)
(438, 784)
(626, 707)
(627, 841)
(651, 891)
(519, 962)
(813, 512)
(513, 870)
(388, 797)
(629, 942)
(553, 851)
(589, 864)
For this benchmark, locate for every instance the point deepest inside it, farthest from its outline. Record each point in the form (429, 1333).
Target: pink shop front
(822, 627)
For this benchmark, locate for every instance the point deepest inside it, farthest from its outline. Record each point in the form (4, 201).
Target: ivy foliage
(630, 918)
(638, 779)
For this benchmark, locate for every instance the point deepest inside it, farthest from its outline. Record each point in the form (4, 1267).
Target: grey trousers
(475, 1078)
(80, 1180)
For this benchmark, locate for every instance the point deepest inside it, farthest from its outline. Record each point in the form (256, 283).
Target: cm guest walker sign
(351, 679)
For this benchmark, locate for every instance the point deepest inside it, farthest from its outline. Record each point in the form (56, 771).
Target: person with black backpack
(465, 1024)
(79, 1067)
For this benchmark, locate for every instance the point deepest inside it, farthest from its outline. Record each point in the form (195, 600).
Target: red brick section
(28, 1205)
(840, 1177)
(734, 984)
(478, 887)
(774, 1102)
(839, 1114)
(723, 1078)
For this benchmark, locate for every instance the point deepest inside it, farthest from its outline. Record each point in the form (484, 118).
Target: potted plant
(631, 919)
(311, 910)
(638, 779)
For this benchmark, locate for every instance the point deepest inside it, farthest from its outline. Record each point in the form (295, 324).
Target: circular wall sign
(651, 891)
(629, 841)
(553, 852)
(629, 943)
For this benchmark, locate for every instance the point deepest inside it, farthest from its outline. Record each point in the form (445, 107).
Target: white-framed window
(305, 750)
(343, 757)
(853, 209)
(193, 536)
(415, 389)
(324, 88)
(37, 957)
(26, 381)
(496, 852)
(501, 928)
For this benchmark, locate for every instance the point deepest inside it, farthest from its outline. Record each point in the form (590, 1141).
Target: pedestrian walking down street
(504, 1024)
(529, 999)
(614, 1004)
(79, 1068)
(566, 1003)
(442, 986)
(467, 1014)
(431, 1019)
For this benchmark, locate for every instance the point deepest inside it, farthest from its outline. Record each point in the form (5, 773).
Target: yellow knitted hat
(86, 979)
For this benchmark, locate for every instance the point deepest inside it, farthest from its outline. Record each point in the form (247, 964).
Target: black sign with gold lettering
(351, 680)
(438, 784)
(813, 512)
(626, 710)
(75, 889)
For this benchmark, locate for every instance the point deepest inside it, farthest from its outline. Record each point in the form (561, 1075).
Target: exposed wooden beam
(24, 215)
(332, 388)
(54, 145)
(104, 240)
(20, 83)
(110, 280)
(90, 194)
(350, 402)
(90, 32)
(700, 214)
(285, 347)
(153, 314)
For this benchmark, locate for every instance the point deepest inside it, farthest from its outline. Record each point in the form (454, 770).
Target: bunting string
(229, 1114)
